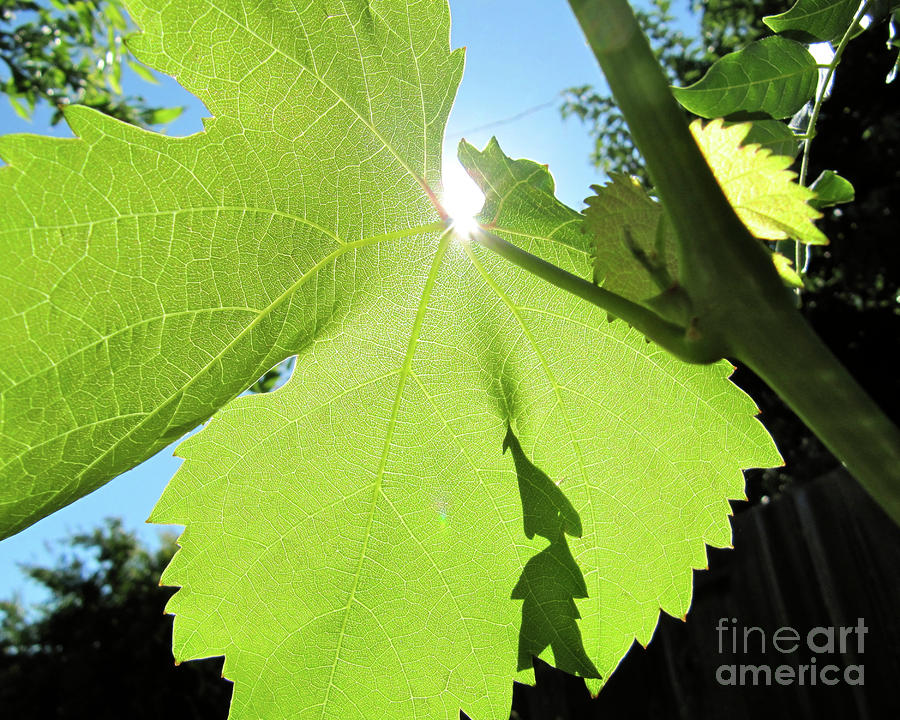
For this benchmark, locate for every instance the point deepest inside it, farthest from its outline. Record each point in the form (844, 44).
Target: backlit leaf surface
(625, 221)
(815, 19)
(774, 75)
(366, 541)
(635, 250)
(758, 184)
(147, 279)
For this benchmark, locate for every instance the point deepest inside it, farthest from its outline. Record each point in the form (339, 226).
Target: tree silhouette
(100, 646)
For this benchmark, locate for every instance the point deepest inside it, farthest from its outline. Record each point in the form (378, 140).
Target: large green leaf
(355, 542)
(815, 19)
(370, 539)
(775, 76)
(147, 280)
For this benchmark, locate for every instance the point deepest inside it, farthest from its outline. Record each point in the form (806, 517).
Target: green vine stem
(737, 296)
(801, 253)
(677, 340)
(785, 352)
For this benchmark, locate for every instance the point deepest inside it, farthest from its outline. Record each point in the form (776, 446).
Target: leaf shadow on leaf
(551, 580)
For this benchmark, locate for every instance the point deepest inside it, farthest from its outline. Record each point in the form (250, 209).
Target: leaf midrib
(403, 376)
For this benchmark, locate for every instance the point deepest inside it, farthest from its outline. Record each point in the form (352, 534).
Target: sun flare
(461, 198)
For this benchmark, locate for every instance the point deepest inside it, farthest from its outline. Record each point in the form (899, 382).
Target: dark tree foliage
(100, 647)
(725, 26)
(71, 51)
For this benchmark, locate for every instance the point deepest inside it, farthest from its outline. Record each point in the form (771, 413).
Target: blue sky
(520, 54)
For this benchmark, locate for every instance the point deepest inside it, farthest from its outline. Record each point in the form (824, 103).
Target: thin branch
(801, 253)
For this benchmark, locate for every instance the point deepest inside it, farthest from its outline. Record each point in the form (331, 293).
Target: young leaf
(634, 245)
(831, 189)
(758, 184)
(785, 268)
(811, 20)
(774, 75)
(630, 232)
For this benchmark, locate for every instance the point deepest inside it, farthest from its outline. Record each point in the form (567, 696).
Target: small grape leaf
(831, 189)
(785, 268)
(758, 184)
(630, 232)
(812, 20)
(774, 75)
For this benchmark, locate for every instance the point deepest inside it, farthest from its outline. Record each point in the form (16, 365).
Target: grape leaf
(758, 184)
(148, 280)
(831, 189)
(358, 543)
(635, 250)
(365, 551)
(813, 20)
(774, 75)
(631, 231)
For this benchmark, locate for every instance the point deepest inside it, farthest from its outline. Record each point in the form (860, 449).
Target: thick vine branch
(732, 284)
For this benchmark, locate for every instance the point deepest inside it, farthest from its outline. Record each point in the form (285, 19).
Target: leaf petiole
(687, 344)
(801, 253)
